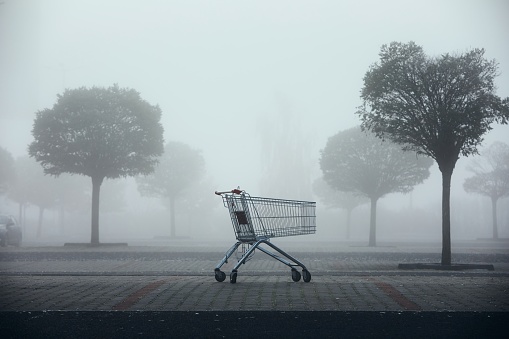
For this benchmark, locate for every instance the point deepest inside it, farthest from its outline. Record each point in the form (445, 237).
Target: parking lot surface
(180, 280)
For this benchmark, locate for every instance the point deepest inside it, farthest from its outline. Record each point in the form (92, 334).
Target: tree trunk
(372, 223)
(172, 216)
(494, 216)
(21, 221)
(96, 188)
(348, 221)
(61, 219)
(446, 217)
(39, 223)
(24, 222)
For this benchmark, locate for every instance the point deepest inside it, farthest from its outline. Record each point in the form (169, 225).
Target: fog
(253, 85)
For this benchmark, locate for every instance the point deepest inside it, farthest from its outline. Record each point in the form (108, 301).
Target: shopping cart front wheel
(220, 275)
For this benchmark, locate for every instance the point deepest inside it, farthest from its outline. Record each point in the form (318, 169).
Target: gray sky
(220, 69)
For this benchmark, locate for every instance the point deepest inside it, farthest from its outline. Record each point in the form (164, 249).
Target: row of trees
(26, 184)
(358, 168)
(365, 166)
(437, 107)
(100, 133)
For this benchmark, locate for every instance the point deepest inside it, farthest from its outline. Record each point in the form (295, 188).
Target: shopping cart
(255, 220)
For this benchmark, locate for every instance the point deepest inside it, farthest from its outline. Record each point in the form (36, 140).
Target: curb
(452, 267)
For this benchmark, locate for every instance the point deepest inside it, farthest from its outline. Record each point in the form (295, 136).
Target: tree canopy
(100, 133)
(180, 167)
(358, 162)
(437, 106)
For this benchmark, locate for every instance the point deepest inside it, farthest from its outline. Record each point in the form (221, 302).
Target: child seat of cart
(245, 231)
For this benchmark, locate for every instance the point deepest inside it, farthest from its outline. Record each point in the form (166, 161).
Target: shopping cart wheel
(306, 276)
(233, 277)
(220, 275)
(295, 275)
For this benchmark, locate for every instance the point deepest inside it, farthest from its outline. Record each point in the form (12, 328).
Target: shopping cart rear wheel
(233, 277)
(220, 275)
(295, 275)
(306, 276)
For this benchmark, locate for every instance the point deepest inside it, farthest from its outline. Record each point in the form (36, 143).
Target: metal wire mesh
(254, 217)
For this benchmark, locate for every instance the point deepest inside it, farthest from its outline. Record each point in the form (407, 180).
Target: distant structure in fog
(285, 154)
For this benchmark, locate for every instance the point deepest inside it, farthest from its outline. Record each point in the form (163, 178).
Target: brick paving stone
(203, 293)
(185, 282)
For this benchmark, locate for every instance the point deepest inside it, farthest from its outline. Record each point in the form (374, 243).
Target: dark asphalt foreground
(253, 324)
(163, 292)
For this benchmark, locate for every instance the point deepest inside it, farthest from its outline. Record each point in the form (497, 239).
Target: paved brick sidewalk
(182, 281)
(260, 292)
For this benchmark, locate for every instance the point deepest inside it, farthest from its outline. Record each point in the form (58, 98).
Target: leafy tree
(333, 198)
(358, 162)
(179, 168)
(491, 177)
(100, 133)
(7, 173)
(437, 106)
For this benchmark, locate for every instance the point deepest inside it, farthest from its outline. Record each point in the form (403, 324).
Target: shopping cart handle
(235, 191)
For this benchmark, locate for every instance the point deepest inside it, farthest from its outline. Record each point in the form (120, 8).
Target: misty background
(257, 86)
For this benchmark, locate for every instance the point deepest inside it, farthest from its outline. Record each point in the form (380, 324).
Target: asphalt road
(253, 324)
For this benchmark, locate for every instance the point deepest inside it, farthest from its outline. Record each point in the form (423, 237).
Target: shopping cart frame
(255, 220)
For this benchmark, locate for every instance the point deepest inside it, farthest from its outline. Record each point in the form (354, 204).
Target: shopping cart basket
(255, 220)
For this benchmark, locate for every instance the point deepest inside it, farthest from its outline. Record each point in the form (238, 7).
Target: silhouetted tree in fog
(334, 198)
(7, 173)
(285, 153)
(32, 187)
(491, 177)
(100, 133)
(180, 167)
(20, 186)
(73, 195)
(358, 162)
(42, 193)
(437, 106)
